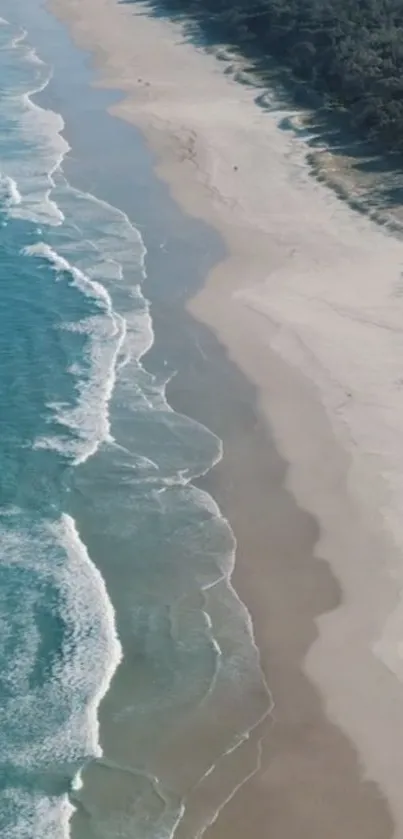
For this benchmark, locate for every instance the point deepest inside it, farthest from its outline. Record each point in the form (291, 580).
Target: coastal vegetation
(349, 51)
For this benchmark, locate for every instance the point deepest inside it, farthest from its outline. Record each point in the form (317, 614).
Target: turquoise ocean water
(108, 554)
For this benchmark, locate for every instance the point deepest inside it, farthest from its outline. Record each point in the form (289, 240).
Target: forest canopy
(348, 50)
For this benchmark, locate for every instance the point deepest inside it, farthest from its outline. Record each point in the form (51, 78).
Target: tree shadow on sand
(363, 174)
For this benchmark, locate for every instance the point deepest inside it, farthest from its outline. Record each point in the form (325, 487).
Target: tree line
(350, 51)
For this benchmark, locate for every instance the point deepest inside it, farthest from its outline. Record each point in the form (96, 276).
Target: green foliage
(351, 50)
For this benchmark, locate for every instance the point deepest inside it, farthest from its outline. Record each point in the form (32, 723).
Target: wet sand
(311, 782)
(311, 477)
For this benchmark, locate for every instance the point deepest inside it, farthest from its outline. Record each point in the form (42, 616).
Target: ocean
(122, 639)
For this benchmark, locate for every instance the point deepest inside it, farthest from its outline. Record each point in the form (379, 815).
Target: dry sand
(309, 304)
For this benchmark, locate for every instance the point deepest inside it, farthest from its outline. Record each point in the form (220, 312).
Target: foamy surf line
(65, 268)
(43, 129)
(90, 417)
(36, 204)
(41, 555)
(61, 265)
(81, 564)
(24, 200)
(10, 193)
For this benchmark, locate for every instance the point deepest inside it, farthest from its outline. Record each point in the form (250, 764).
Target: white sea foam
(89, 416)
(50, 724)
(29, 52)
(91, 288)
(115, 256)
(36, 187)
(36, 816)
(77, 782)
(52, 554)
(41, 131)
(201, 498)
(94, 638)
(18, 39)
(114, 341)
(115, 248)
(117, 238)
(9, 192)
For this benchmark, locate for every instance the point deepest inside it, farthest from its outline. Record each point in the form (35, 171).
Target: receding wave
(39, 131)
(89, 417)
(9, 192)
(30, 814)
(85, 284)
(66, 619)
(54, 601)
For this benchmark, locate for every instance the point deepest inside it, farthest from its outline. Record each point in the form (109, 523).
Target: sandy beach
(309, 307)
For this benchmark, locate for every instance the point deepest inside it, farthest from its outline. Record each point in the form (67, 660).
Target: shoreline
(320, 474)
